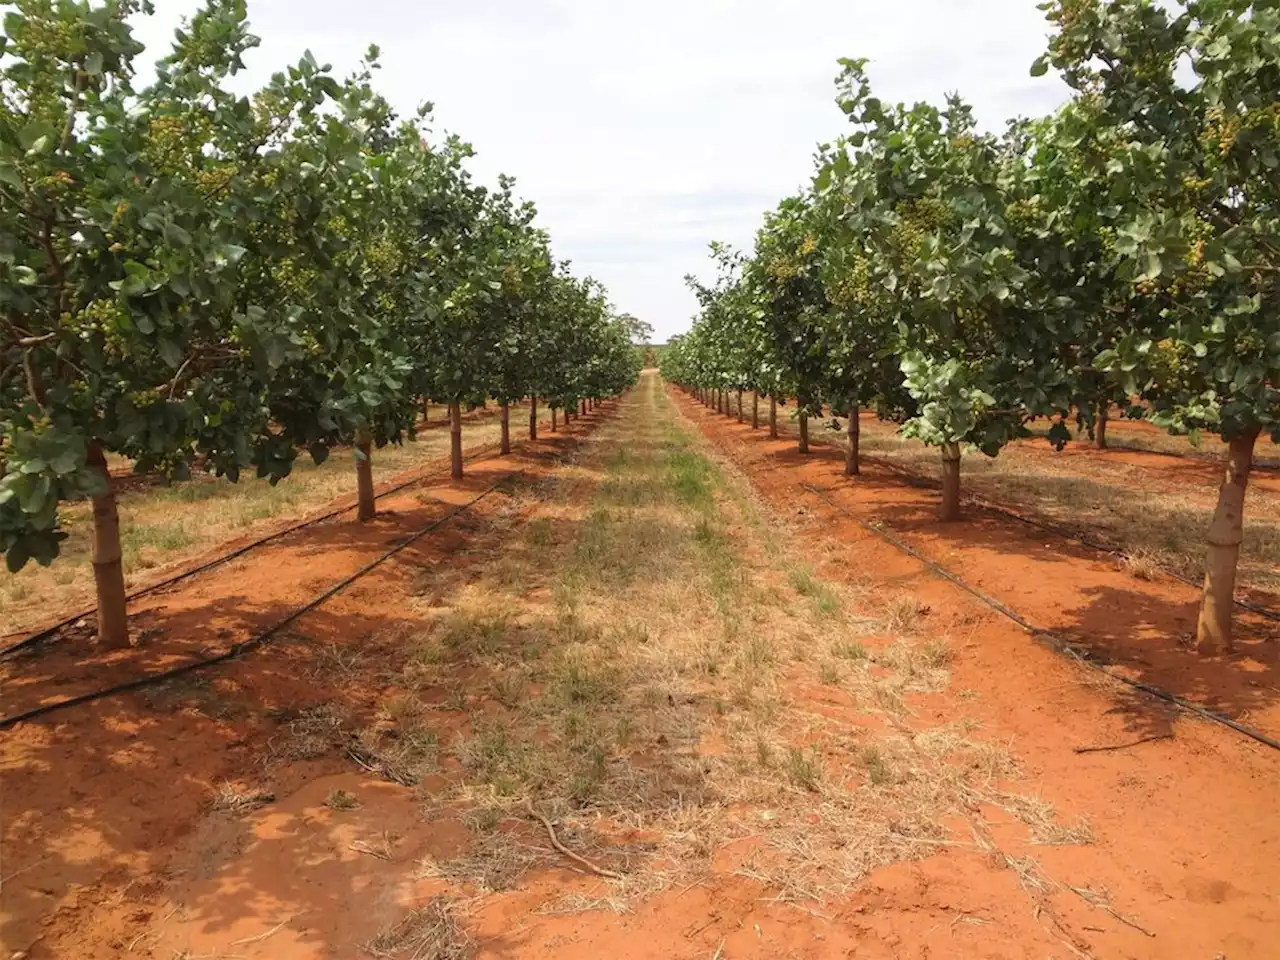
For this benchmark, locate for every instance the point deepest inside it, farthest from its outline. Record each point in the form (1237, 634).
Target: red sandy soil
(1187, 837)
(110, 848)
(100, 800)
(1192, 480)
(1194, 474)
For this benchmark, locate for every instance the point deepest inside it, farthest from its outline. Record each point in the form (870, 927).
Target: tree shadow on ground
(103, 797)
(1144, 628)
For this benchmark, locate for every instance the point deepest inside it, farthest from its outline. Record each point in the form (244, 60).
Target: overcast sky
(643, 130)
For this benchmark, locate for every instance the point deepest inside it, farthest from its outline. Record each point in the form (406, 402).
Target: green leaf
(16, 557)
(169, 351)
(33, 133)
(1040, 67)
(176, 235)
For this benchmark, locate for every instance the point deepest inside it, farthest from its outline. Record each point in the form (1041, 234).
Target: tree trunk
(851, 465)
(584, 406)
(1100, 428)
(553, 419)
(504, 416)
(755, 410)
(426, 411)
(739, 406)
(773, 418)
(1213, 631)
(804, 433)
(455, 440)
(950, 481)
(533, 418)
(366, 507)
(108, 570)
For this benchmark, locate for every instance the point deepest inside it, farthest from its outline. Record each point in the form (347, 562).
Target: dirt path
(641, 707)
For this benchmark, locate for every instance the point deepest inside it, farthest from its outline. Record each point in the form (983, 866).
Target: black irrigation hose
(1060, 531)
(41, 636)
(928, 483)
(1048, 637)
(258, 640)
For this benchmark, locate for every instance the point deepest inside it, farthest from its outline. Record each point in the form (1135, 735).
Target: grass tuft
(431, 932)
(339, 799)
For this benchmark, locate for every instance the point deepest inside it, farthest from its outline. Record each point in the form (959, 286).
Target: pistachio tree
(1183, 98)
(786, 270)
(124, 225)
(927, 195)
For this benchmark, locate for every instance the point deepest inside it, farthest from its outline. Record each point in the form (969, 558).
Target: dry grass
(431, 932)
(496, 861)
(1142, 564)
(641, 682)
(903, 613)
(311, 733)
(237, 799)
(164, 526)
(403, 753)
(340, 799)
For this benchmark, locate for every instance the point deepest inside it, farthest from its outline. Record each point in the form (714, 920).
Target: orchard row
(1122, 250)
(190, 274)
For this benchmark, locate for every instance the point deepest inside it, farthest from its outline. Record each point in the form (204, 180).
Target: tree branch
(56, 264)
(34, 385)
(177, 377)
(70, 125)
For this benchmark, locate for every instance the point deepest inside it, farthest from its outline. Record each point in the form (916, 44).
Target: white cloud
(643, 131)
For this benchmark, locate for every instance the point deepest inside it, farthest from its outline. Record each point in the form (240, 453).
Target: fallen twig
(262, 936)
(555, 842)
(1094, 900)
(359, 846)
(1123, 746)
(22, 870)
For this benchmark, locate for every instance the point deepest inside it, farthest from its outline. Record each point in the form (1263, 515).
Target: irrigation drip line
(244, 646)
(237, 649)
(1048, 637)
(1064, 532)
(41, 636)
(928, 483)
